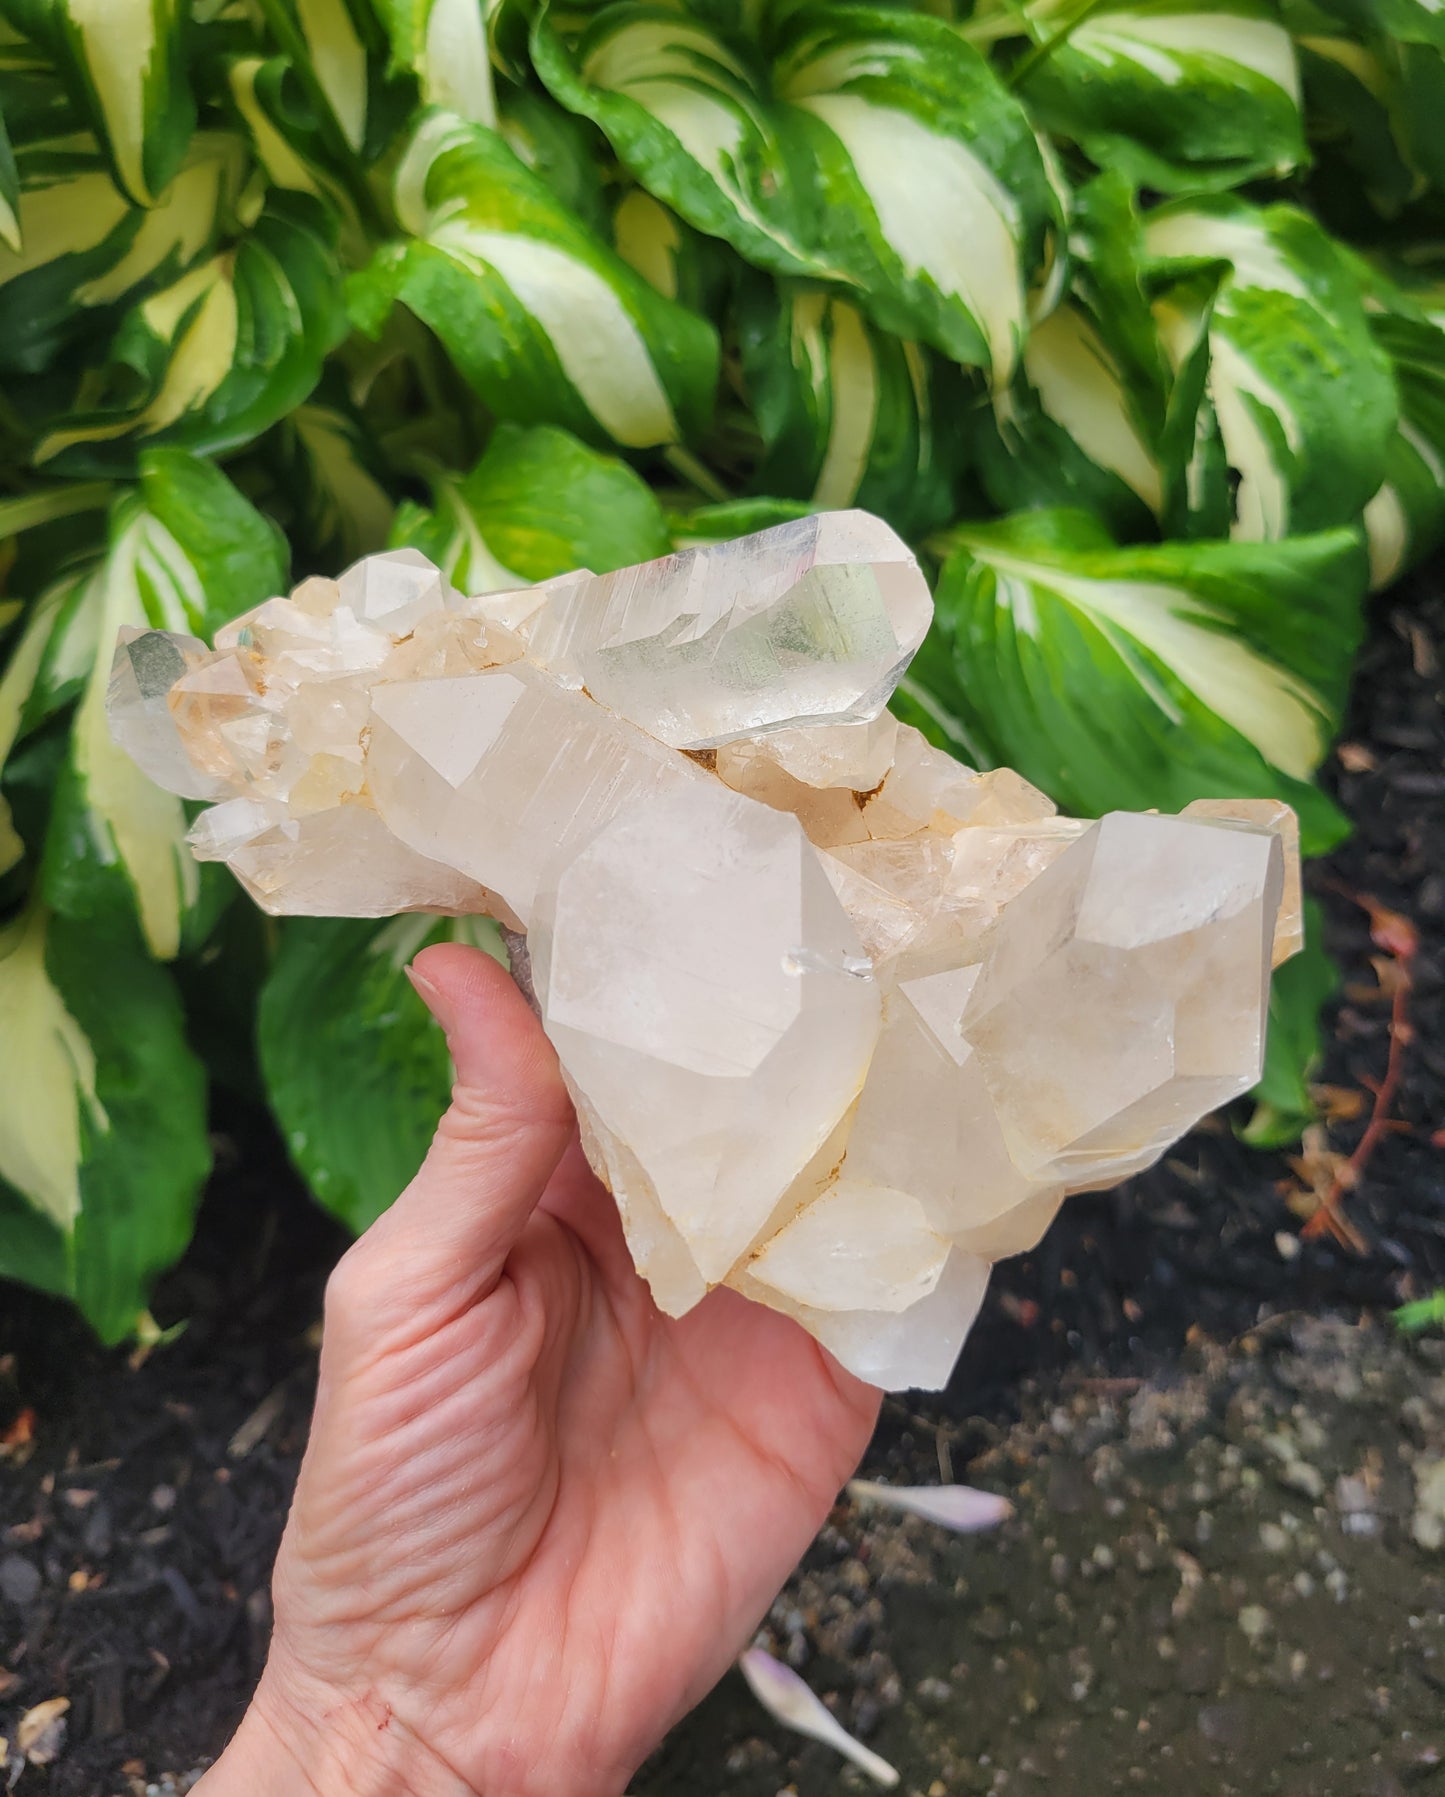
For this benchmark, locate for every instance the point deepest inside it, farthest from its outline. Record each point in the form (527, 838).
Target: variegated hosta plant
(1123, 311)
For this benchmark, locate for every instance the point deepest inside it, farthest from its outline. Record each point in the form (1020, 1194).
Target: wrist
(325, 1744)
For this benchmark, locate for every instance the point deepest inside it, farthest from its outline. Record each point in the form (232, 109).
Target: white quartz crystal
(844, 1020)
(811, 622)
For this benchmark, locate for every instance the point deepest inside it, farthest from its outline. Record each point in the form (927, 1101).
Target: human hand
(536, 1519)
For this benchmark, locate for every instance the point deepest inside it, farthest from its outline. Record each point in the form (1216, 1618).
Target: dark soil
(1211, 1585)
(1212, 1582)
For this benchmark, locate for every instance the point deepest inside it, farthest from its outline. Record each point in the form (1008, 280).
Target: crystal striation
(844, 1020)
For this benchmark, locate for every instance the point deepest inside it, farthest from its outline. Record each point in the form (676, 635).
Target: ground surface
(1218, 1576)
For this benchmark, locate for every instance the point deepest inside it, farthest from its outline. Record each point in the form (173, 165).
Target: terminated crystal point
(844, 1020)
(812, 622)
(147, 665)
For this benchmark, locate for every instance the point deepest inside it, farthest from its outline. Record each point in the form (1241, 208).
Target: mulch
(141, 1496)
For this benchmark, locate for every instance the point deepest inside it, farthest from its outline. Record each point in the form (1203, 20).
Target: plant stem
(1396, 936)
(684, 462)
(1040, 53)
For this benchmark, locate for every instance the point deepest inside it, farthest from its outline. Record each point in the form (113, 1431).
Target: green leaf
(84, 249)
(1082, 423)
(71, 645)
(40, 654)
(538, 503)
(9, 192)
(1295, 407)
(22, 670)
(284, 130)
(125, 63)
(669, 255)
(186, 553)
(1420, 86)
(216, 358)
(102, 1117)
(1175, 95)
(330, 483)
(731, 518)
(861, 145)
(220, 988)
(1069, 430)
(849, 415)
(336, 55)
(358, 96)
(1350, 113)
(561, 150)
(1407, 21)
(1149, 677)
(1299, 991)
(32, 1249)
(339, 1014)
(446, 44)
(1108, 279)
(543, 320)
(1422, 1313)
(1405, 519)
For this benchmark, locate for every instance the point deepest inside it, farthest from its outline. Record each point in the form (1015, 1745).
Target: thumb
(443, 1244)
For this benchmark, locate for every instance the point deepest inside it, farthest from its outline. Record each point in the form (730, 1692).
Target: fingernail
(431, 996)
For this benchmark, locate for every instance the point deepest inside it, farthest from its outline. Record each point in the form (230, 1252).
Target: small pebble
(1428, 1522)
(19, 1580)
(935, 1693)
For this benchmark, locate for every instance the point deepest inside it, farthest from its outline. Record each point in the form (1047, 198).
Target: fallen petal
(785, 1696)
(957, 1507)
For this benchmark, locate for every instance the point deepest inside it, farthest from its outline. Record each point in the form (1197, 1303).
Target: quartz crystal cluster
(844, 1020)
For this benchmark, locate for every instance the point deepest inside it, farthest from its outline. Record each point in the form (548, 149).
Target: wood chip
(1340, 1104)
(1355, 758)
(256, 1426)
(18, 1436)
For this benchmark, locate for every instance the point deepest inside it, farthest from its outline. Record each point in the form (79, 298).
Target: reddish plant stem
(1398, 938)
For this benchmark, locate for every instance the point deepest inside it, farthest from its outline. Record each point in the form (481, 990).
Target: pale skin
(536, 1519)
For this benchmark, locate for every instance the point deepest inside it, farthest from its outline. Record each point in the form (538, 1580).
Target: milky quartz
(844, 1020)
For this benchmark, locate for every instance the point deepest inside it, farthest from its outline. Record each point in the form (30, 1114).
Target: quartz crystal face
(844, 1020)
(812, 622)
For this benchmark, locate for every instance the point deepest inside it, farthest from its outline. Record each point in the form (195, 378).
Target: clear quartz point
(844, 1021)
(810, 622)
(147, 664)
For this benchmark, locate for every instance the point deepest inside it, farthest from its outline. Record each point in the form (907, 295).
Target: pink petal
(952, 1506)
(785, 1696)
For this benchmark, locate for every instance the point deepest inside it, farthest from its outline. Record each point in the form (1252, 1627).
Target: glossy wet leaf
(124, 62)
(1145, 677)
(103, 1144)
(538, 503)
(849, 415)
(1176, 95)
(542, 318)
(337, 1006)
(186, 552)
(218, 356)
(869, 147)
(1282, 403)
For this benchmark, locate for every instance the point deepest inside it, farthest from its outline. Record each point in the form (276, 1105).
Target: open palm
(536, 1518)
